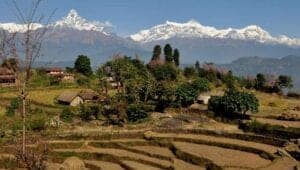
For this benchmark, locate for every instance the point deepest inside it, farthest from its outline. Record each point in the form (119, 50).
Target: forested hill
(289, 65)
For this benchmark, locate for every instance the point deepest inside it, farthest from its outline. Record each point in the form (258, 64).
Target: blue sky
(129, 16)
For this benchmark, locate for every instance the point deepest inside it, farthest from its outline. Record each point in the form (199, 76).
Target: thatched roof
(88, 95)
(67, 96)
(6, 71)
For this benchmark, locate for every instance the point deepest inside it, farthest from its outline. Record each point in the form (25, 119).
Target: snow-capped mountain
(193, 29)
(73, 20)
(12, 27)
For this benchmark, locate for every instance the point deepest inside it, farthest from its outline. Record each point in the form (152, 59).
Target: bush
(294, 95)
(14, 105)
(186, 95)
(66, 115)
(37, 123)
(83, 81)
(233, 102)
(201, 85)
(165, 72)
(270, 130)
(136, 112)
(87, 112)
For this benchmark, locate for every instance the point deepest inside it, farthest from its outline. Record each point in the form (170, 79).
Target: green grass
(46, 96)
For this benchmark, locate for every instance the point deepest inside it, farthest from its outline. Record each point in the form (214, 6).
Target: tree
(260, 81)
(156, 52)
(201, 85)
(26, 52)
(168, 53)
(197, 65)
(189, 72)
(233, 102)
(176, 57)
(284, 81)
(229, 80)
(166, 72)
(83, 65)
(186, 94)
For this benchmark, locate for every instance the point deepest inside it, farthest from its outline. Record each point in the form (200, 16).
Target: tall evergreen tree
(156, 52)
(168, 53)
(197, 65)
(83, 65)
(176, 57)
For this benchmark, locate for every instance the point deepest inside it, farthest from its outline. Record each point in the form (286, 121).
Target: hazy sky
(130, 16)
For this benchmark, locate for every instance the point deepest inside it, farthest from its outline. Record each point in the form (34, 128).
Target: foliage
(165, 72)
(156, 52)
(14, 105)
(82, 80)
(115, 114)
(66, 115)
(176, 57)
(201, 85)
(168, 51)
(165, 97)
(260, 81)
(34, 158)
(37, 123)
(83, 65)
(186, 94)
(233, 102)
(189, 72)
(284, 81)
(88, 112)
(136, 112)
(270, 130)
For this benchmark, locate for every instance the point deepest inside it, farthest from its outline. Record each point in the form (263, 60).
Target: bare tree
(26, 47)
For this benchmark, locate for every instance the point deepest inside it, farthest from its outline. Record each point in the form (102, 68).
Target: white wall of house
(76, 101)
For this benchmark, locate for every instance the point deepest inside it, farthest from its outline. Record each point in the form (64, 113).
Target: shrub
(66, 115)
(136, 112)
(14, 105)
(233, 102)
(270, 130)
(186, 95)
(37, 123)
(87, 111)
(201, 85)
(294, 95)
(165, 72)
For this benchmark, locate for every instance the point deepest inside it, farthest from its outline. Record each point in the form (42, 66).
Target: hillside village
(137, 113)
(124, 96)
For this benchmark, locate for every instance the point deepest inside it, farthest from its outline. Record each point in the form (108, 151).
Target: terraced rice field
(157, 150)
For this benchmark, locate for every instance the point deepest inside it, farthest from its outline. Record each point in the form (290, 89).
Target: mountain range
(74, 35)
(250, 66)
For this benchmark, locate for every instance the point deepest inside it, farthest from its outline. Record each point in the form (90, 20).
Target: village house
(70, 98)
(54, 71)
(77, 98)
(7, 77)
(60, 74)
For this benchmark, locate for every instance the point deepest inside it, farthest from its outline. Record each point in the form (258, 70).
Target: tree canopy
(83, 65)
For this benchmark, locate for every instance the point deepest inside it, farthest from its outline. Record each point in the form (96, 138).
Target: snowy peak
(75, 21)
(193, 29)
(12, 27)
